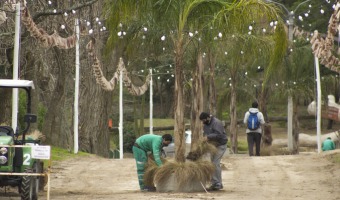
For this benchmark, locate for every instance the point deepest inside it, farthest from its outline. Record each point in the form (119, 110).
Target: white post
(15, 97)
(151, 103)
(76, 91)
(290, 98)
(318, 107)
(290, 123)
(121, 114)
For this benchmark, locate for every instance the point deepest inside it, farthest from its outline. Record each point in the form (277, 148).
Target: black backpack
(253, 121)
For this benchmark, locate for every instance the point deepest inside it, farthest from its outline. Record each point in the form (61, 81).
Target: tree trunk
(233, 113)
(6, 96)
(56, 124)
(212, 88)
(135, 117)
(197, 102)
(93, 132)
(179, 104)
(296, 127)
(141, 119)
(263, 99)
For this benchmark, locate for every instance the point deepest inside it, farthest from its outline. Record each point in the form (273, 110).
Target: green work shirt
(328, 145)
(151, 143)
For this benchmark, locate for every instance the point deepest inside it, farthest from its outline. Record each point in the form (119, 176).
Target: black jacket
(215, 132)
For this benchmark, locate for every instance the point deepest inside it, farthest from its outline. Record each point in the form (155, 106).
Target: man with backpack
(254, 119)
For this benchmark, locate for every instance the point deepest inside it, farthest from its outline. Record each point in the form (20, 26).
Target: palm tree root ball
(190, 176)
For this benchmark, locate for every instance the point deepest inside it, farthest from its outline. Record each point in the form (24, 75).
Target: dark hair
(255, 104)
(204, 115)
(167, 137)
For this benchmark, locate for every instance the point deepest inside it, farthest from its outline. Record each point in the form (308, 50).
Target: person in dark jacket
(214, 132)
(144, 144)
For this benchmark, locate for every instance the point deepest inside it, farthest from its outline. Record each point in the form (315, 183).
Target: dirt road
(304, 176)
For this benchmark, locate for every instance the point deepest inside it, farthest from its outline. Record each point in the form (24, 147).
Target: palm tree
(297, 80)
(245, 44)
(176, 18)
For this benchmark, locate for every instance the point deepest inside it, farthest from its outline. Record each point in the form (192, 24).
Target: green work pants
(141, 159)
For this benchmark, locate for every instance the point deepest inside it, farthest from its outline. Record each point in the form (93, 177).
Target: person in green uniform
(328, 144)
(144, 144)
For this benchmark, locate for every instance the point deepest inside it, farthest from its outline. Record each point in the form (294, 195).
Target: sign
(41, 152)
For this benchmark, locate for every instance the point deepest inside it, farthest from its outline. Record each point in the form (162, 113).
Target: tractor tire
(42, 181)
(29, 186)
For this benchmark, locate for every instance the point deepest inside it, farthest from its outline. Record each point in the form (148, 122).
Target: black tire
(29, 186)
(41, 178)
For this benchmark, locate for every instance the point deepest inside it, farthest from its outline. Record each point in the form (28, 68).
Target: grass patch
(242, 146)
(334, 158)
(60, 154)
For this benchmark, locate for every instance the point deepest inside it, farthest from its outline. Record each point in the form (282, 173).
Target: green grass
(334, 158)
(159, 122)
(60, 154)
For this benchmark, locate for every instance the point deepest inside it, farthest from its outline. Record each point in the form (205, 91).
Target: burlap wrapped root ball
(190, 176)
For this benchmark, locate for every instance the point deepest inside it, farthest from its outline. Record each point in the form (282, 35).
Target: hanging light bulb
(300, 18)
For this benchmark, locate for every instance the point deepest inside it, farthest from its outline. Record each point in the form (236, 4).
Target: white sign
(41, 152)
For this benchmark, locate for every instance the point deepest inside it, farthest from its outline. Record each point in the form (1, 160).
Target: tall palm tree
(175, 18)
(246, 43)
(297, 80)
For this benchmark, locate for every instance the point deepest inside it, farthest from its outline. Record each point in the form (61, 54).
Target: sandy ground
(304, 176)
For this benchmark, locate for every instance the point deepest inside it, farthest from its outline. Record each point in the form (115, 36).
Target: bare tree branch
(48, 13)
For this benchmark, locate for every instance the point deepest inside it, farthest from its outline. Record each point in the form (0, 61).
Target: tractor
(16, 160)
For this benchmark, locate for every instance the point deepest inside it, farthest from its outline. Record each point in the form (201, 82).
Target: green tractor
(17, 162)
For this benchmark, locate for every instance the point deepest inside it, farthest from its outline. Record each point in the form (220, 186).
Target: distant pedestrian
(253, 118)
(214, 132)
(328, 144)
(144, 144)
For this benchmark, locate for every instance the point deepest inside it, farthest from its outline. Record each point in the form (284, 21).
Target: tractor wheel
(29, 186)
(42, 181)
